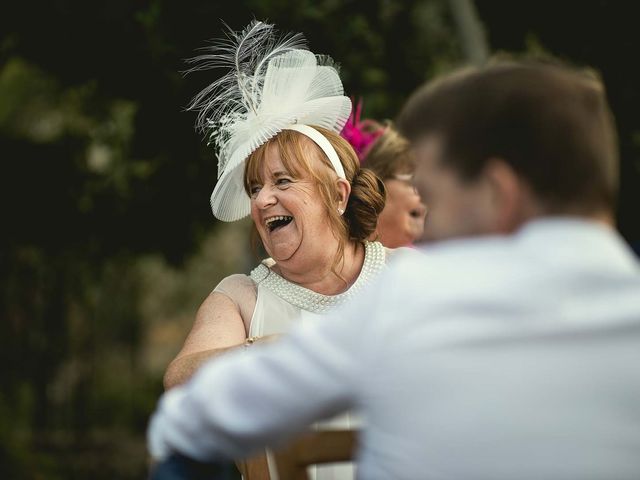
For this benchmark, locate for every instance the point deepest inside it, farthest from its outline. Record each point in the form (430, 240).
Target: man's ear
(508, 196)
(344, 190)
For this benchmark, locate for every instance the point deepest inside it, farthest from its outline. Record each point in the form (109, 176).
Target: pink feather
(361, 134)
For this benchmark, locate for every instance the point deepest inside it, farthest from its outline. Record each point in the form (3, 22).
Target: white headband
(324, 144)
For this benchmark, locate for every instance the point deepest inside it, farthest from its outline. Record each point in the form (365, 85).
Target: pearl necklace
(301, 297)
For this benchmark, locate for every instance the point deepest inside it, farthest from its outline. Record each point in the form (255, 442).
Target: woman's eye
(283, 182)
(255, 190)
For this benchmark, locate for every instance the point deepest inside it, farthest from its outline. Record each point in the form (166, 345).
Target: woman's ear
(344, 190)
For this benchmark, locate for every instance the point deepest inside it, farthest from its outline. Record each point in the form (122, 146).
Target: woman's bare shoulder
(236, 284)
(239, 289)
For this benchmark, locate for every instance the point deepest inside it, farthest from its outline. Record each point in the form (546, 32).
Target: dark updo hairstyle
(368, 194)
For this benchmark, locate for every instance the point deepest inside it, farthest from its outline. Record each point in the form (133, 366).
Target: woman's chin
(397, 239)
(282, 253)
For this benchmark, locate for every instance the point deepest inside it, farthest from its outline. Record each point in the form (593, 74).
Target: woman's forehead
(272, 164)
(294, 160)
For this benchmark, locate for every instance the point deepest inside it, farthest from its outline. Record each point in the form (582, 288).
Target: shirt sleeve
(243, 401)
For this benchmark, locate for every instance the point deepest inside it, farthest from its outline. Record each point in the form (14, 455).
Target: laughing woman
(275, 120)
(313, 224)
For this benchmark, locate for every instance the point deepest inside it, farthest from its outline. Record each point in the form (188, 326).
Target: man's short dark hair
(551, 123)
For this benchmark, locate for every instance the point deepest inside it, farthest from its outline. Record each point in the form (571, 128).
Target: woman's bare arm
(218, 328)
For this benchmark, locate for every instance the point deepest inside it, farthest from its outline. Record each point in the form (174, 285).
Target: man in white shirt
(510, 351)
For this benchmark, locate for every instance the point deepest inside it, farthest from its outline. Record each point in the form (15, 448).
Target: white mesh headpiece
(272, 85)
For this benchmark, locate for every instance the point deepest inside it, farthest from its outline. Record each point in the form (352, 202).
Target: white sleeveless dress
(280, 304)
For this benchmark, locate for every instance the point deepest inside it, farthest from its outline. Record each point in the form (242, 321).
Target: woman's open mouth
(274, 223)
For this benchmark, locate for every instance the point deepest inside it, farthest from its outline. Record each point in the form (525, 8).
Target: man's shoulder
(438, 274)
(458, 255)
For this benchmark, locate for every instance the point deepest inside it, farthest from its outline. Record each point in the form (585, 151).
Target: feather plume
(237, 95)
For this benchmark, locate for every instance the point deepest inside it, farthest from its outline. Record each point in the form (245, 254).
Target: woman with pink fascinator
(382, 149)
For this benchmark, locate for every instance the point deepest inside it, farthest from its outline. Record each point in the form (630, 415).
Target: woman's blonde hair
(367, 197)
(390, 155)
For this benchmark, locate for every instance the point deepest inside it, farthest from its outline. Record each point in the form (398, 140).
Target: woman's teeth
(279, 221)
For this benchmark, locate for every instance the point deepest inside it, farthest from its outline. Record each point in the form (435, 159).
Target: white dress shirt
(512, 357)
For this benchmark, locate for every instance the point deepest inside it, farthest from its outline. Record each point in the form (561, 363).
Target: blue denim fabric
(178, 467)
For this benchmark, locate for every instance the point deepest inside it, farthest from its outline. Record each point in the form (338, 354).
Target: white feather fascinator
(273, 83)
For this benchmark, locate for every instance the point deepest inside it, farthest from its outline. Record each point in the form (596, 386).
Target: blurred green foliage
(108, 243)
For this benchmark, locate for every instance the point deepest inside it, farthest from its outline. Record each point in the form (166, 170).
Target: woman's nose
(265, 198)
(423, 210)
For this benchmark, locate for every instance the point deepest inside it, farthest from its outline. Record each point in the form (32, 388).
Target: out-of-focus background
(108, 245)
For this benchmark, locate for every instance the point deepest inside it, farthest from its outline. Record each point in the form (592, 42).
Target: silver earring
(340, 211)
